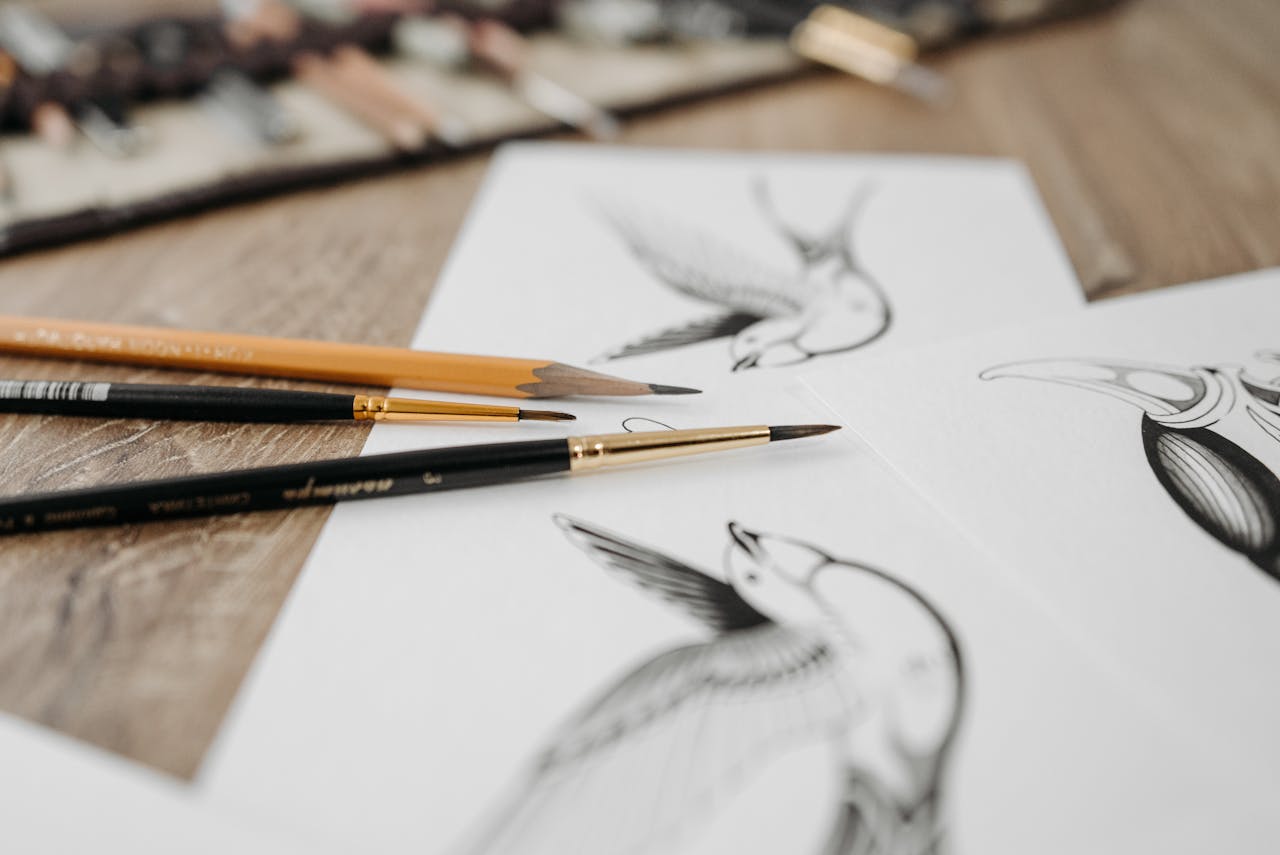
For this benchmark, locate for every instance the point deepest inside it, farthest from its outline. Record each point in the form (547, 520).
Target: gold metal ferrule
(613, 449)
(382, 409)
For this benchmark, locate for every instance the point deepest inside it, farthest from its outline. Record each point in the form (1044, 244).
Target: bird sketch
(1211, 436)
(828, 304)
(801, 650)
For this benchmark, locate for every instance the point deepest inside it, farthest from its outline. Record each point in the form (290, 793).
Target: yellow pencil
(360, 364)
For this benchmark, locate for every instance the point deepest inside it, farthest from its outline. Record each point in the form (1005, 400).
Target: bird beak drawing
(791, 561)
(777, 354)
(769, 344)
(1166, 394)
(748, 541)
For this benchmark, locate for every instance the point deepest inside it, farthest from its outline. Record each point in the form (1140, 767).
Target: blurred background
(128, 113)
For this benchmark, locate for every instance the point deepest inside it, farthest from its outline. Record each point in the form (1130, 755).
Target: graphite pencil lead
(546, 416)
(557, 380)
(778, 433)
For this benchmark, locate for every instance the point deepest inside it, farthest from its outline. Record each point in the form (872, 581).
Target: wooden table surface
(1153, 133)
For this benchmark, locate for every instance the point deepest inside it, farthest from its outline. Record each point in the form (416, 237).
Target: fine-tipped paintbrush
(233, 404)
(328, 481)
(361, 364)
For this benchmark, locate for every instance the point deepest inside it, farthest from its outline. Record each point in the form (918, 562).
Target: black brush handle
(148, 401)
(320, 483)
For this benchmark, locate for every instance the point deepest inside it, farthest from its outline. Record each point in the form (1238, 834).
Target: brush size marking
(53, 390)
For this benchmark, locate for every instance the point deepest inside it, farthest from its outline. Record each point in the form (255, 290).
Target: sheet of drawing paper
(676, 267)
(1124, 464)
(60, 796)
(577, 664)
(759, 651)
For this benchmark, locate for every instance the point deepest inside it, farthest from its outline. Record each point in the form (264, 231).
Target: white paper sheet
(438, 644)
(1120, 464)
(435, 646)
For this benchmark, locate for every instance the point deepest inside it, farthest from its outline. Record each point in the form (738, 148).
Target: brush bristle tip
(778, 433)
(546, 416)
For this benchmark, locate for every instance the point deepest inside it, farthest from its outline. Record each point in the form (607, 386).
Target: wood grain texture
(1152, 133)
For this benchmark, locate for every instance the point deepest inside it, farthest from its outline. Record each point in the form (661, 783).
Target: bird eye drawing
(801, 650)
(829, 303)
(1211, 436)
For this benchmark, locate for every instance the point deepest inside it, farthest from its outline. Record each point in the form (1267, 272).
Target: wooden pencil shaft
(359, 364)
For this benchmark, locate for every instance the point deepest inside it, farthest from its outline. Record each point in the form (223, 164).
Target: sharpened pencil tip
(659, 389)
(546, 416)
(778, 433)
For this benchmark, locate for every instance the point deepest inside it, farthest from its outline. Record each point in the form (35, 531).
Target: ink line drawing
(803, 649)
(639, 424)
(1211, 436)
(829, 304)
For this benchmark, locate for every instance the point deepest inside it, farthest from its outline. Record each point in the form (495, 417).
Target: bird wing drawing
(705, 598)
(653, 755)
(705, 267)
(827, 303)
(705, 329)
(1211, 437)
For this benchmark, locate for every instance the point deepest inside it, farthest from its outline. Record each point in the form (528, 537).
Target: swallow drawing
(1211, 436)
(801, 649)
(829, 303)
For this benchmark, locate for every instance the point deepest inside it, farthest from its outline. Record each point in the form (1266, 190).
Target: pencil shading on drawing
(830, 303)
(801, 649)
(1211, 437)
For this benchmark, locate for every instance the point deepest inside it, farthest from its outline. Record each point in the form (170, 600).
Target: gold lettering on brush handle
(344, 490)
(79, 515)
(197, 503)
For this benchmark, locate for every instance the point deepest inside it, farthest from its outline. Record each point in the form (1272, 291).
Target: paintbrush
(236, 404)
(328, 481)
